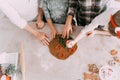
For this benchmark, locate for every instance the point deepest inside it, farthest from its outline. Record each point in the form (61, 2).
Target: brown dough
(90, 77)
(93, 68)
(58, 50)
(113, 52)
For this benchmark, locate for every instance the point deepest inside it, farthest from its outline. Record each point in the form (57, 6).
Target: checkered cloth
(85, 11)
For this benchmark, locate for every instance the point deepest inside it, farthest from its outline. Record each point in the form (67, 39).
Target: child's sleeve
(103, 18)
(72, 7)
(43, 5)
(12, 14)
(40, 3)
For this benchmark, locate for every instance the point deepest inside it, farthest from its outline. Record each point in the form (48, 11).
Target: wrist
(31, 30)
(69, 20)
(35, 33)
(39, 20)
(52, 28)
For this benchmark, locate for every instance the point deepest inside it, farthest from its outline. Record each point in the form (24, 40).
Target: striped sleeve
(72, 7)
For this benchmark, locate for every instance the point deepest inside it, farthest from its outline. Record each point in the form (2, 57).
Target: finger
(68, 41)
(47, 39)
(46, 35)
(67, 34)
(64, 34)
(46, 42)
(57, 33)
(36, 24)
(69, 45)
(51, 35)
(42, 24)
(71, 31)
(39, 25)
(43, 42)
(54, 35)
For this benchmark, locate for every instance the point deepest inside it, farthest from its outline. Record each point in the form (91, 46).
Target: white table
(41, 65)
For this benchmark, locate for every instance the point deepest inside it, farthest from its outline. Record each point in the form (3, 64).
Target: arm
(67, 30)
(48, 18)
(54, 31)
(101, 19)
(12, 14)
(40, 14)
(40, 10)
(40, 23)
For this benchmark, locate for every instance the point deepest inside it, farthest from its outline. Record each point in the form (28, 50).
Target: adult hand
(40, 24)
(67, 30)
(43, 38)
(70, 43)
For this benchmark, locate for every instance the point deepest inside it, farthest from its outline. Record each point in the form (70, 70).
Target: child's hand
(67, 30)
(70, 43)
(53, 33)
(40, 24)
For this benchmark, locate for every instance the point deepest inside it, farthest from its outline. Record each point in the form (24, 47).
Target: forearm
(51, 25)
(40, 14)
(84, 34)
(69, 20)
(30, 30)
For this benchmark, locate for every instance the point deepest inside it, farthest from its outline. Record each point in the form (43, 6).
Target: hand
(70, 43)
(67, 30)
(40, 24)
(43, 38)
(53, 33)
